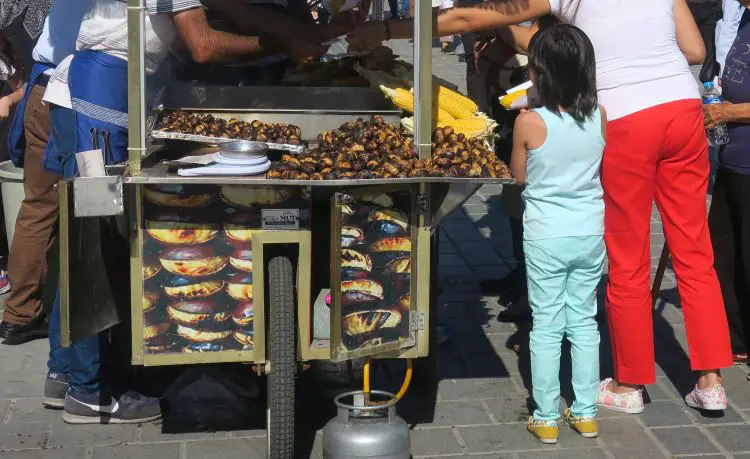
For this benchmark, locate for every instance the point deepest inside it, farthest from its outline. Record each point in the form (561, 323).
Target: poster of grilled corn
(198, 262)
(375, 253)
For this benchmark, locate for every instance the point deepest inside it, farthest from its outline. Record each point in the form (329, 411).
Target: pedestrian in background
(729, 217)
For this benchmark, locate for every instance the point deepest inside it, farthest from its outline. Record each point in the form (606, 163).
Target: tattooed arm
(491, 14)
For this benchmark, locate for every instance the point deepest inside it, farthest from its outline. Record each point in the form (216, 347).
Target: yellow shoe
(546, 432)
(586, 426)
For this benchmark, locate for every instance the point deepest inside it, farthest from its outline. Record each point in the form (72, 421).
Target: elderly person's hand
(715, 114)
(367, 36)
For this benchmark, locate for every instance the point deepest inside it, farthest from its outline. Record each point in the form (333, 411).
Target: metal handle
(344, 410)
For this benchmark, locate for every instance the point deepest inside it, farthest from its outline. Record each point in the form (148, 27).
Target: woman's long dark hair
(9, 56)
(562, 59)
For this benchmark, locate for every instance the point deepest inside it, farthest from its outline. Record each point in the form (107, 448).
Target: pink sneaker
(4, 283)
(631, 403)
(712, 399)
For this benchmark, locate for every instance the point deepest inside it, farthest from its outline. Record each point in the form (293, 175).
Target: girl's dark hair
(9, 56)
(562, 58)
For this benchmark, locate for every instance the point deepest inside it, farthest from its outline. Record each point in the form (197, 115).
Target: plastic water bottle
(718, 135)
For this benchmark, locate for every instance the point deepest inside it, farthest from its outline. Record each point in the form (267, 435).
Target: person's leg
(682, 184)
(725, 229)
(581, 328)
(547, 276)
(56, 385)
(35, 223)
(742, 194)
(628, 175)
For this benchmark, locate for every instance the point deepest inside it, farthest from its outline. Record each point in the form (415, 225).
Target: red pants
(660, 153)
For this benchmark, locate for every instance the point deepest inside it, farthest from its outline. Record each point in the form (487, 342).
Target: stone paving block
(451, 260)
(474, 389)
(452, 271)
(478, 253)
(588, 453)
(4, 405)
(665, 413)
(452, 311)
(434, 441)
(67, 453)
(240, 448)
(684, 440)
(20, 385)
(626, 439)
(66, 435)
(27, 410)
(730, 415)
(463, 413)
(655, 393)
(502, 437)
(22, 436)
(510, 407)
(152, 451)
(247, 433)
(735, 382)
(733, 438)
(461, 327)
(151, 433)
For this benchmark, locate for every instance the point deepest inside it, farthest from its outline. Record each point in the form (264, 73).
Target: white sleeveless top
(638, 62)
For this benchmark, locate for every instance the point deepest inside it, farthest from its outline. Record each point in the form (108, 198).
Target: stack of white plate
(235, 158)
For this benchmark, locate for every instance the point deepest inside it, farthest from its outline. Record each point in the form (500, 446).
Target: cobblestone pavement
(482, 400)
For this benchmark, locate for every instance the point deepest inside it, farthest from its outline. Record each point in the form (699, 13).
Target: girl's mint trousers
(563, 274)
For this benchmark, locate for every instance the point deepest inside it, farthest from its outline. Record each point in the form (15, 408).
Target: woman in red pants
(656, 150)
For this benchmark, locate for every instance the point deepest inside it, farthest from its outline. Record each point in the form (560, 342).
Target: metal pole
(423, 78)
(136, 84)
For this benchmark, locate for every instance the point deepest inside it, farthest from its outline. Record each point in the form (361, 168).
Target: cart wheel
(281, 353)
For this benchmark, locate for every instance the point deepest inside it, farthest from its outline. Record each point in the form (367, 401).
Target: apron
(16, 136)
(97, 108)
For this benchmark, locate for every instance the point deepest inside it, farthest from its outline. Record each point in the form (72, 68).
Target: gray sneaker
(55, 388)
(128, 408)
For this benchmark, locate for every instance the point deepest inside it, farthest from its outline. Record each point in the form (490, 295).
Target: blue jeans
(563, 274)
(81, 362)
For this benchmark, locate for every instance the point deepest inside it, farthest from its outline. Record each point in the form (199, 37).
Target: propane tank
(372, 432)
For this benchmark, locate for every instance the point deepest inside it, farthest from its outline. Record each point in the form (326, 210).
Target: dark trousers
(729, 222)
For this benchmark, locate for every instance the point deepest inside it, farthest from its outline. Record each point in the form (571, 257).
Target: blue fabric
(564, 195)
(563, 274)
(98, 86)
(59, 157)
(82, 361)
(16, 136)
(735, 86)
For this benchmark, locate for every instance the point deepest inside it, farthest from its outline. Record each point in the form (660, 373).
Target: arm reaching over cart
(491, 14)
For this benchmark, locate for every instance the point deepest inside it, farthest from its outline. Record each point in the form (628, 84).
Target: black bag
(211, 398)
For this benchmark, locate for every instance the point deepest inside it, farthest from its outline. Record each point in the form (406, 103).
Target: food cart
(236, 268)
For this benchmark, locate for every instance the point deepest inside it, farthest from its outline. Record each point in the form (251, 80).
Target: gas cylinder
(366, 431)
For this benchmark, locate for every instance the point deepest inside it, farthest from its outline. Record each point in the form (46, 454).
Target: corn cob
(470, 127)
(404, 100)
(454, 103)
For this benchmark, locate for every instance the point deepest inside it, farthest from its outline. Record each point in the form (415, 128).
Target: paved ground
(481, 404)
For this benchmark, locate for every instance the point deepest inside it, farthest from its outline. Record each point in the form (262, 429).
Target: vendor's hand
(5, 106)
(301, 51)
(715, 114)
(367, 36)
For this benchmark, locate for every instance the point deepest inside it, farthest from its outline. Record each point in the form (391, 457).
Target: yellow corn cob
(470, 127)
(404, 100)
(457, 105)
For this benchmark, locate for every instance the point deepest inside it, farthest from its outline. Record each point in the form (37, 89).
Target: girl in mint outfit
(557, 154)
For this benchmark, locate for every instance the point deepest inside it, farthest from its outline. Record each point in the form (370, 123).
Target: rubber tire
(282, 355)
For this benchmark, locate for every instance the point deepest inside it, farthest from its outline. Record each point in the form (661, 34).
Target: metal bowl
(243, 149)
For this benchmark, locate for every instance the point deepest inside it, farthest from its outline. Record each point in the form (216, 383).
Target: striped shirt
(105, 29)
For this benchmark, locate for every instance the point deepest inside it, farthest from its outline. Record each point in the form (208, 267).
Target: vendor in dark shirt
(729, 218)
